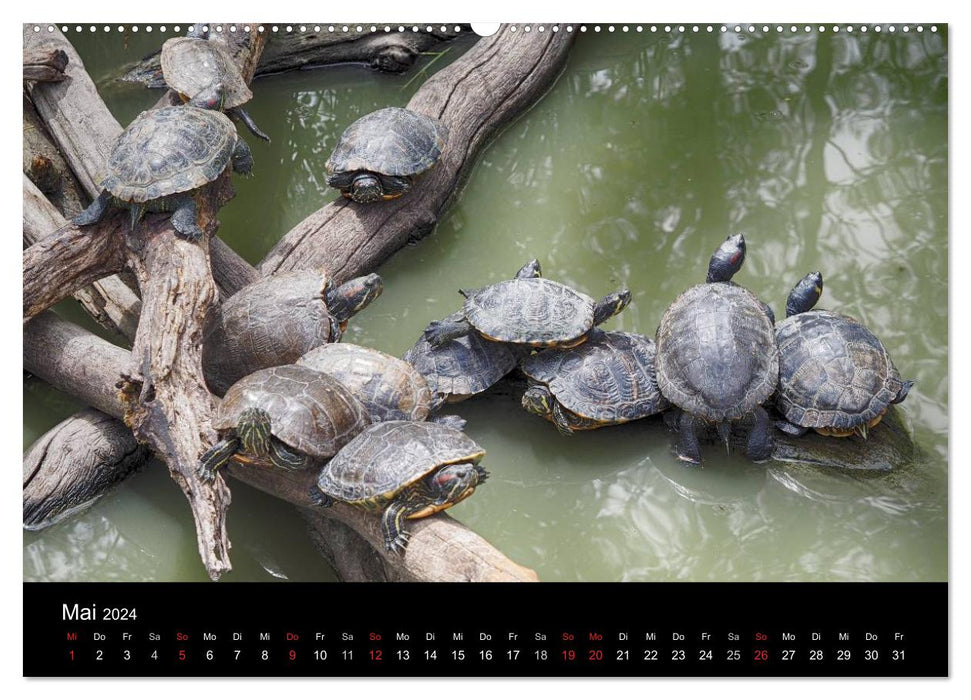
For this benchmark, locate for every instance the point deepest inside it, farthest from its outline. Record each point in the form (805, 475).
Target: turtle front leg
(440, 332)
(242, 158)
(215, 457)
(283, 458)
(319, 498)
(759, 448)
(688, 449)
(393, 525)
(184, 218)
(244, 117)
(95, 210)
(561, 420)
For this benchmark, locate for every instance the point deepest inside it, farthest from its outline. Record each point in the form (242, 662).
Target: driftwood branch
(46, 167)
(87, 367)
(74, 464)
(44, 64)
(390, 52)
(109, 300)
(476, 96)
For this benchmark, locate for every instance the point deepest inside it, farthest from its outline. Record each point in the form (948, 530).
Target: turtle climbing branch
(389, 52)
(81, 364)
(475, 97)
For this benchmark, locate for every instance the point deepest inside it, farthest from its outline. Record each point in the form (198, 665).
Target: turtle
(717, 359)
(469, 364)
(403, 469)
(390, 388)
(379, 155)
(608, 380)
(278, 319)
(289, 417)
(162, 158)
(529, 311)
(835, 376)
(191, 65)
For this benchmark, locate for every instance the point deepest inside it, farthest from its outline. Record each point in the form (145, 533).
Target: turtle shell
(462, 367)
(390, 388)
(833, 372)
(387, 457)
(271, 322)
(190, 65)
(608, 379)
(391, 141)
(533, 311)
(716, 352)
(167, 151)
(309, 411)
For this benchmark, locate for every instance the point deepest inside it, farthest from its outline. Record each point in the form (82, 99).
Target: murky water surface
(828, 151)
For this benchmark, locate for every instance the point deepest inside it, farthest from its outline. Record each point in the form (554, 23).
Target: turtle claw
(206, 473)
(399, 543)
(319, 498)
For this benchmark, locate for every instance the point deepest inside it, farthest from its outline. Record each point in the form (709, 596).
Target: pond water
(828, 151)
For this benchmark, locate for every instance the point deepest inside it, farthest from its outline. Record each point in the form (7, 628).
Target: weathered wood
(87, 367)
(110, 301)
(74, 464)
(45, 165)
(84, 129)
(389, 52)
(44, 64)
(476, 96)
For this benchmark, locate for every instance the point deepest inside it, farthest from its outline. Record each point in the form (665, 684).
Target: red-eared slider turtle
(277, 320)
(288, 417)
(469, 364)
(530, 311)
(606, 381)
(404, 470)
(390, 388)
(191, 66)
(380, 154)
(162, 157)
(835, 376)
(716, 356)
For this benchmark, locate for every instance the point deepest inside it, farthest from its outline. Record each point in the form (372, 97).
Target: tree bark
(389, 52)
(476, 96)
(74, 464)
(87, 367)
(110, 301)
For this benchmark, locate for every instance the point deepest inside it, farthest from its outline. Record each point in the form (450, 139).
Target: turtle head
(538, 400)
(349, 298)
(454, 482)
(610, 306)
(253, 430)
(530, 270)
(210, 97)
(805, 294)
(727, 260)
(365, 188)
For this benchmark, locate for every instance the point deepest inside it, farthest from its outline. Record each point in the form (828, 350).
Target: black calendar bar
(577, 629)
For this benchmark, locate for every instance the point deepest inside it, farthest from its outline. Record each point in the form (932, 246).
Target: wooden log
(476, 96)
(110, 301)
(388, 52)
(74, 464)
(87, 367)
(44, 64)
(84, 130)
(45, 166)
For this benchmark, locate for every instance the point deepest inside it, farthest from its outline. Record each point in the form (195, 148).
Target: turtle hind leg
(688, 449)
(283, 458)
(319, 498)
(791, 428)
(393, 526)
(244, 117)
(440, 332)
(215, 457)
(95, 210)
(184, 218)
(759, 448)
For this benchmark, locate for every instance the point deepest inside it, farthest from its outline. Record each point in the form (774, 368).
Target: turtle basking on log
(190, 66)
(835, 376)
(163, 157)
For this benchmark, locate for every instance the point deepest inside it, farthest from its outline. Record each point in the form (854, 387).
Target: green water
(828, 151)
